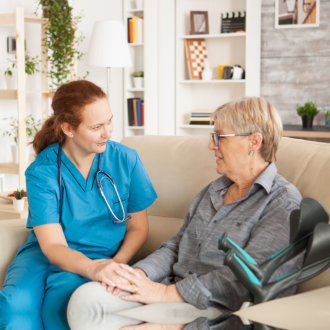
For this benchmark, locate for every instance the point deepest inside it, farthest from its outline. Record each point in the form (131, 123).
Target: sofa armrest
(12, 235)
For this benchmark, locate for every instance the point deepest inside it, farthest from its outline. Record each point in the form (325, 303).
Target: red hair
(68, 103)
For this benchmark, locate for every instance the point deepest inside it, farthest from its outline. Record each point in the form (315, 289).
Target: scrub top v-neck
(86, 221)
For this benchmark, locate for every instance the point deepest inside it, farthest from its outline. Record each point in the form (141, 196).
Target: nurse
(88, 198)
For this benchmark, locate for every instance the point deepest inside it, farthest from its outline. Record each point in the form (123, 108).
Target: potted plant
(32, 126)
(31, 67)
(61, 40)
(138, 79)
(18, 200)
(307, 112)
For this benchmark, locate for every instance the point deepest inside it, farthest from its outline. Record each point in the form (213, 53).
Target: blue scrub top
(86, 220)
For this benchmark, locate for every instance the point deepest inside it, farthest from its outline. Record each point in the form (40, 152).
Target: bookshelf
(241, 48)
(18, 19)
(144, 58)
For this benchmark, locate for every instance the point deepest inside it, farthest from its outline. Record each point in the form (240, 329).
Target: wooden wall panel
(295, 63)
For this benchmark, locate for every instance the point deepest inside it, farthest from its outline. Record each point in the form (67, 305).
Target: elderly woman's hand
(143, 289)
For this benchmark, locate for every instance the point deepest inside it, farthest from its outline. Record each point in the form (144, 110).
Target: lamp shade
(108, 46)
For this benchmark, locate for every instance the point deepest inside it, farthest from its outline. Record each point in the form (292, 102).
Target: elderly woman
(250, 201)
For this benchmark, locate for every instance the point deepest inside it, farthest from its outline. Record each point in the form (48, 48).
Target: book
(200, 118)
(142, 111)
(135, 111)
(130, 29)
(130, 111)
(139, 112)
(133, 27)
(139, 30)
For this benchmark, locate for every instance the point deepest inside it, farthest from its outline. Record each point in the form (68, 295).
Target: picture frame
(296, 13)
(196, 55)
(199, 22)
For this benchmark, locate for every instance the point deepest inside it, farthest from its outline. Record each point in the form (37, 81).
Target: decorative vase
(18, 204)
(307, 121)
(138, 82)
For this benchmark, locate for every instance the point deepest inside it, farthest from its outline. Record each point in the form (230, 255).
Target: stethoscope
(99, 184)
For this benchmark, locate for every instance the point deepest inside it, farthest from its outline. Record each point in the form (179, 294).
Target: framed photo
(196, 54)
(199, 22)
(296, 13)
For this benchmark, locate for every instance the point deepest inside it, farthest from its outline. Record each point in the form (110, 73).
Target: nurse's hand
(104, 271)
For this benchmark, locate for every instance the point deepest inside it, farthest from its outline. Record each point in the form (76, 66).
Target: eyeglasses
(216, 137)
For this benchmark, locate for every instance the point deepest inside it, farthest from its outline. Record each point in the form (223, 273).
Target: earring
(251, 153)
(71, 135)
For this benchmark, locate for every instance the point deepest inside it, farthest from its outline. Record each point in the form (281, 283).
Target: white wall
(90, 11)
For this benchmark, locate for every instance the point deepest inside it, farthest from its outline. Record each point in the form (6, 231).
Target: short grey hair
(253, 114)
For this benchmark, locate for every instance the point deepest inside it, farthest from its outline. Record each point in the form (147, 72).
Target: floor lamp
(108, 47)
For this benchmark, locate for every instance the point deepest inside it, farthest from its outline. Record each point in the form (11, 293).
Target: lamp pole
(108, 80)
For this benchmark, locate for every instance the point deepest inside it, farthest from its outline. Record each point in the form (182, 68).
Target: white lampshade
(108, 45)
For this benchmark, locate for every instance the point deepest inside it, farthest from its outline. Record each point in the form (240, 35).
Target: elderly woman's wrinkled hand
(142, 288)
(104, 271)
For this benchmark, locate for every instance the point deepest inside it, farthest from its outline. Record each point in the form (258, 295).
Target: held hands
(142, 288)
(104, 271)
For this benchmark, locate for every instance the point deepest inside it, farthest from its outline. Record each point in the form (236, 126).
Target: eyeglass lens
(215, 139)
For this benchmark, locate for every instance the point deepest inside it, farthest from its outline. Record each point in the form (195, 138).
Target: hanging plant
(61, 40)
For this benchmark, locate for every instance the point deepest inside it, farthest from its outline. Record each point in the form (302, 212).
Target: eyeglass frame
(215, 138)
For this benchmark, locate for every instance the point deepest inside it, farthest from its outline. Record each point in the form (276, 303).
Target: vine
(60, 41)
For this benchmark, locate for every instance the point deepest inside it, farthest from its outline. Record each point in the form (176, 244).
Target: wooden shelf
(18, 20)
(317, 132)
(11, 19)
(8, 94)
(9, 168)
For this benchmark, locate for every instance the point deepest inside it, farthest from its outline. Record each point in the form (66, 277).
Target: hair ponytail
(49, 133)
(68, 102)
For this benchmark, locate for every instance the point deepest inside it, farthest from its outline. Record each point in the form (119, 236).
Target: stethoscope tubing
(99, 185)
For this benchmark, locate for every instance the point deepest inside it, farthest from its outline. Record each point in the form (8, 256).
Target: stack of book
(200, 118)
(135, 108)
(135, 29)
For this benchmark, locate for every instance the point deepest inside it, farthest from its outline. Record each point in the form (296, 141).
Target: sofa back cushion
(179, 167)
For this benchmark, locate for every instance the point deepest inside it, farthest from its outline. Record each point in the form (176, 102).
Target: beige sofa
(181, 166)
